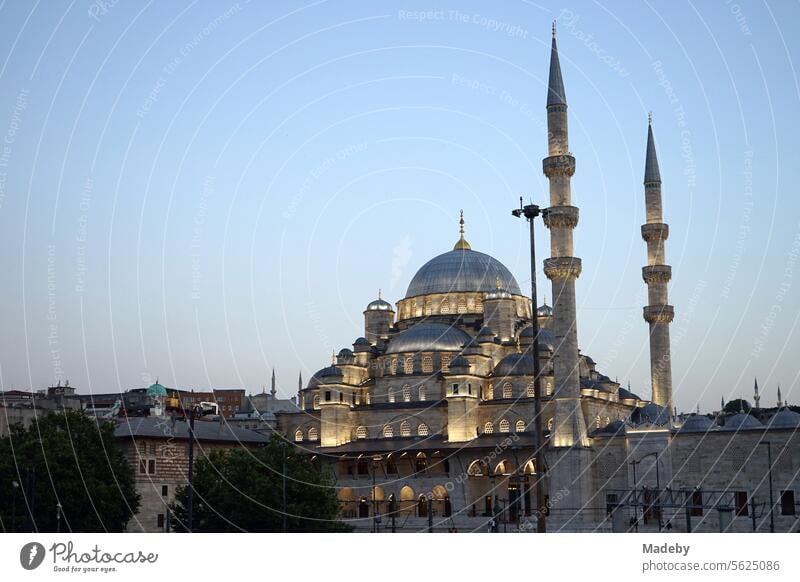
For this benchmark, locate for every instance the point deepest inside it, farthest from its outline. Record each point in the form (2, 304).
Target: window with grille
(445, 362)
(390, 395)
(444, 308)
(298, 436)
(313, 434)
(361, 432)
(504, 426)
(462, 306)
(405, 429)
(316, 402)
(388, 432)
(422, 393)
(408, 365)
(427, 364)
(422, 430)
(507, 390)
(530, 391)
(488, 428)
(406, 393)
(520, 426)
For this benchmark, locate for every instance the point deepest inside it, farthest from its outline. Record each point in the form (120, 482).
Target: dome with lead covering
(697, 423)
(741, 421)
(462, 270)
(514, 365)
(784, 418)
(428, 337)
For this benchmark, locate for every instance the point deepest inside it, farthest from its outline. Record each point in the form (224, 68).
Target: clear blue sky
(202, 191)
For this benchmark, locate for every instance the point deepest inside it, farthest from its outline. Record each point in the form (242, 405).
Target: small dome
(784, 418)
(459, 363)
(741, 421)
(485, 335)
(547, 338)
(652, 414)
(344, 352)
(613, 427)
(379, 305)
(156, 390)
(544, 310)
(428, 337)
(362, 341)
(697, 423)
(325, 376)
(514, 365)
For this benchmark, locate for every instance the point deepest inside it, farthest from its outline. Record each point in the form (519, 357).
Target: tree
(68, 458)
(242, 490)
(737, 405)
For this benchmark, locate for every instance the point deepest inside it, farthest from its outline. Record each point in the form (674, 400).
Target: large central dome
(461, 270)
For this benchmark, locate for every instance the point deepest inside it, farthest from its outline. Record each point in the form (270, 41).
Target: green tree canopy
(68, 458)
(737, 405)
(242, 490)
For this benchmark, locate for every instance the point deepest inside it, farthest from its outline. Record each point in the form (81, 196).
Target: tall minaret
(562, 268)
(658, 313)
(273, 391)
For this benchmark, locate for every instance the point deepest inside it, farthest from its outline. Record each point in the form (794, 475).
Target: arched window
(421, 462)
(393, 366)
(608, 420)
(408, 365)
(520, 426)
(427, 364)
(388, 432)
(361, 432)
(316, 402)
(406, 393)
(445, 362)
(530, 391)
(298, 436)
(405, 429)
(428, 307)
(444, 307)
(422, 430)
(390, 394)
(549, 424)
(462, 306)
(504, 426)
(488, 428)
(413, 308)
(422, 393)
(368, 397)
(313, 434)
(597, 421)
(479, 306)
(507, 390)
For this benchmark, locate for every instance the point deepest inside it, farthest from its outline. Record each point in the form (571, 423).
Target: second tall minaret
(562, 268)
(658, 313)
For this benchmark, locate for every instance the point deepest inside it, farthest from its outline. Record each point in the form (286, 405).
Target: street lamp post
(530, 212)
(58, 517)
(771, 498)
(14, 487)
(375, 526)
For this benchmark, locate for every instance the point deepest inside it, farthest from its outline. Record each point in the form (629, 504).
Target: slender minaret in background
(273, 390)
(756, 395)
(658, 313)
(562, 268)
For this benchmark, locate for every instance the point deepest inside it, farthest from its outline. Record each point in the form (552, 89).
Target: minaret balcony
(562, 165)
(657, 274)
(659, 313)
(560, 216)
(655, 231)
(562, 267)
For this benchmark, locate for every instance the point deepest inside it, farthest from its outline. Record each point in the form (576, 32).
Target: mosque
(427, 423)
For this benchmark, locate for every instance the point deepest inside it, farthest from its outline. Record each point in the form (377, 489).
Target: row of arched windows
(407, 394)
(313, 434)
(388, 430)
(445, 307)
(506, 391)
(504, 426)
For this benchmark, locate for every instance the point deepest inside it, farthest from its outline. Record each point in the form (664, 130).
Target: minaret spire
(555, 86)
(658, 313)
(273, 389)
(780, 400)
(756, 395)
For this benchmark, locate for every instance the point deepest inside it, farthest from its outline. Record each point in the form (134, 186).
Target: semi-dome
(428, 337)
(742, 420)
(784, 418)
(462, 270)
(697, 423)
(515, 365)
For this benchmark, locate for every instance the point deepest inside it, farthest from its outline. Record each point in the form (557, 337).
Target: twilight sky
(200, 191)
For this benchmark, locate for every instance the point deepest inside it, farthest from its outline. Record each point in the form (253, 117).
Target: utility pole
(771, 498)
(190, 509)
(530, 212)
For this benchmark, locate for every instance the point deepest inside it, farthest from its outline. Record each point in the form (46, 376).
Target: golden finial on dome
(497, 284)
(333, 357)
(462, 244)
(379, 292)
